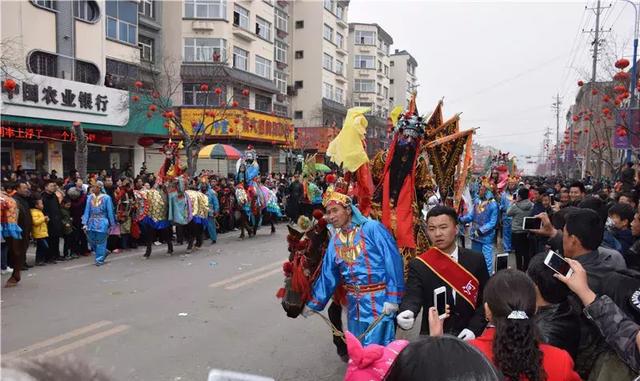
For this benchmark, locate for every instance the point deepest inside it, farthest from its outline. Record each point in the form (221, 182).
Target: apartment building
(402, 77)
(369, 79)
(67, 60)
(320, 59)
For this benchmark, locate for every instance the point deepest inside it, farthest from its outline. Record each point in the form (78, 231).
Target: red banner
(36, 133)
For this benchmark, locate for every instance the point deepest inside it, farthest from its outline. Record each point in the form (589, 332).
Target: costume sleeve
(170, 207)
(618, 330)
(469, 216)
(493, 218)
(413, 297)
(87, 207)
(393, 264)
(215, 203)
(109, 205)
(478, 321)
(327, 281)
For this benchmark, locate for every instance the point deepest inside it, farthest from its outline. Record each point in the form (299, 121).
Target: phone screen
(532, 223)
(441, 303)
(558, 264)
(502, 262)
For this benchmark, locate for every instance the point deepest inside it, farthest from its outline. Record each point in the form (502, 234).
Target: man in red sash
(461, 271)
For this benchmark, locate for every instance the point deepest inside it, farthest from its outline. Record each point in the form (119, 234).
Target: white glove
(389, 308)
(306, 312)
(466, 335)
(406, 319)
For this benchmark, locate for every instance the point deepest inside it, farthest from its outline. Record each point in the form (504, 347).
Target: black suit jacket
(419, 294)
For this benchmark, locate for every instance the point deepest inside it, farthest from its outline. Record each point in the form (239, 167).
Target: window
(339, 40)
(146, 48)
(364, 62)
(411, 69)
(328, 5)
(205, 9)
(145, 8)
(122, 21)
(243, 100)
(87, 72)
(362, 104)
(203, 49)
(379, 66)
(328, 33)
(281, 110)
(297, 115)
(364, 86)
(280, 52)
(263, 28)
(391, 63)
(386, 70)
(327, 90)
(282, 20)
(299, 54)
(193, 96)
(43, 63)
(122, 73)
(340, 12)
(391, 81)
(299, 24)
(327, 62)
(339, 95)
(263, 67)
(49, 4)
(365, 37)
(240, 59)
(240, 17)
(339, 67)
(379, 92)
(298, 84)
(86, 10)
(280, 80)
(385, 92)
(263, 103)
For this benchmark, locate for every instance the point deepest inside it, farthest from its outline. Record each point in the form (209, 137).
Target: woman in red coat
(511, 341)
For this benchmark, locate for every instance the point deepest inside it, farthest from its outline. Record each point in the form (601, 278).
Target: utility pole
(556, 108)
(596, 43)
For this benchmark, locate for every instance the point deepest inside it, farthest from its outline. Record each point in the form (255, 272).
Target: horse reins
(338, 333)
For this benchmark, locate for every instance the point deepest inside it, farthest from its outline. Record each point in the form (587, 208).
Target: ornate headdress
(485, 182)
(250, 154)
(410, 123)
(333, 196)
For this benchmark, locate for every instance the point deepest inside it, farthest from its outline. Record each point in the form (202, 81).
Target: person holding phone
(520, 237)
(461, 272)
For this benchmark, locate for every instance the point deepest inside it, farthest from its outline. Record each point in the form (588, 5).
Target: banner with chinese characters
(29, 133)
(237, 123)
(39, 96)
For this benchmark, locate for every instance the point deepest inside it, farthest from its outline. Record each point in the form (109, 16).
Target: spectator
(628, 177)
(629, 198)
(67, 229)
(513, 345)
(520, 237)
(18, 249)
(54, 222)
(40, 234)
(618, 230)
(576, 193)
(554, 318)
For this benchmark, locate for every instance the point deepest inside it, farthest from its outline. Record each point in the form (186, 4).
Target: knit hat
(370, 363)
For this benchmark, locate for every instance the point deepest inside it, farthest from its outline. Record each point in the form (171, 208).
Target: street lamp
(634, 72)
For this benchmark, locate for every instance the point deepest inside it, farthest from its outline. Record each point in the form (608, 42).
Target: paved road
(125, 317)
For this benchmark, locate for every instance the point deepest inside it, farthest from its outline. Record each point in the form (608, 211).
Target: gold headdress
(332, 196)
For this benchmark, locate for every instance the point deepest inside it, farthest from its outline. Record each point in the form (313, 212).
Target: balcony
(365, 48)
(364, 73)
(243, 34)
(202, 25)
(380, 74)
(341, 51)
(340, 78)
(341, 23)
(381, 52)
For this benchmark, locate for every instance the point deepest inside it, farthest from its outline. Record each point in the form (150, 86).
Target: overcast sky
(501, 63)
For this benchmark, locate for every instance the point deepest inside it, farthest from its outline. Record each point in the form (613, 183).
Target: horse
(151, 216)
(257, 204)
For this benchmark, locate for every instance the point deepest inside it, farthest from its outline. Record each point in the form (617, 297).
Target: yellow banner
(238, 123)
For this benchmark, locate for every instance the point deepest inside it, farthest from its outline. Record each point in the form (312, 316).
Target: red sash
(453, 274)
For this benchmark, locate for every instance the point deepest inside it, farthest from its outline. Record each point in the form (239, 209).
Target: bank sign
(38, 96)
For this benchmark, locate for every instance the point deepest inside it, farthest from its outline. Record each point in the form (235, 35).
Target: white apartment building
(320, 60)
(369, 79)
(403, 77)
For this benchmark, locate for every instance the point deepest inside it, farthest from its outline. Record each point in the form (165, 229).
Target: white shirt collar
(454, 255)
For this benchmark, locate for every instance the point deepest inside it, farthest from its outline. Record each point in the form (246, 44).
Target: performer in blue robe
(363, 256)
(483, 217)
(214, 209)
(97, 218)
(506, 199)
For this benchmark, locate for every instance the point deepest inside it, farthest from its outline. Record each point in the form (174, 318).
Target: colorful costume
(98, 217)
(214, 209)
(506, 199)
(483, 217)
(9, 217)
(364, 257)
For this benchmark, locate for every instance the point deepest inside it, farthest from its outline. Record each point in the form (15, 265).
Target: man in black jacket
(54, 226)
(467, 318)
(18, 248)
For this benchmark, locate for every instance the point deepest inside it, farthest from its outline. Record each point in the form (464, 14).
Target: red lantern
(138, 84)
(594, 145)
(204, 87)
(586, 130)
(606, 111)
(594, 91)
(145, 141)
(606, 99)
(171, 114)
(245, 92)
(619, 89)
(223, 104)
(234, 104)
(167, 125)
(231, 130)
(580, 83)
(586, 117)
(153, 108)
(155, 95)
(9, 84)
(621, 76)
(149, 115)
(575, 119)
(236, 121)
(622, 63)
(625, 95)
(135, 98)
(617, 102)
(218, 91)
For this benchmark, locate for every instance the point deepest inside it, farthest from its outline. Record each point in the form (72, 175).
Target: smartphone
(529, 223)
(502, 261)
(558, 264)
(440, 301)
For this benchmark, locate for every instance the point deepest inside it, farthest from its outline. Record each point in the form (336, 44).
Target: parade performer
(12, 233)
(461, 271)
(97, 218)
(363, 256)
(200, 214)
(214, 210)
(506, 199)
(483, 217)
(312, 193)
